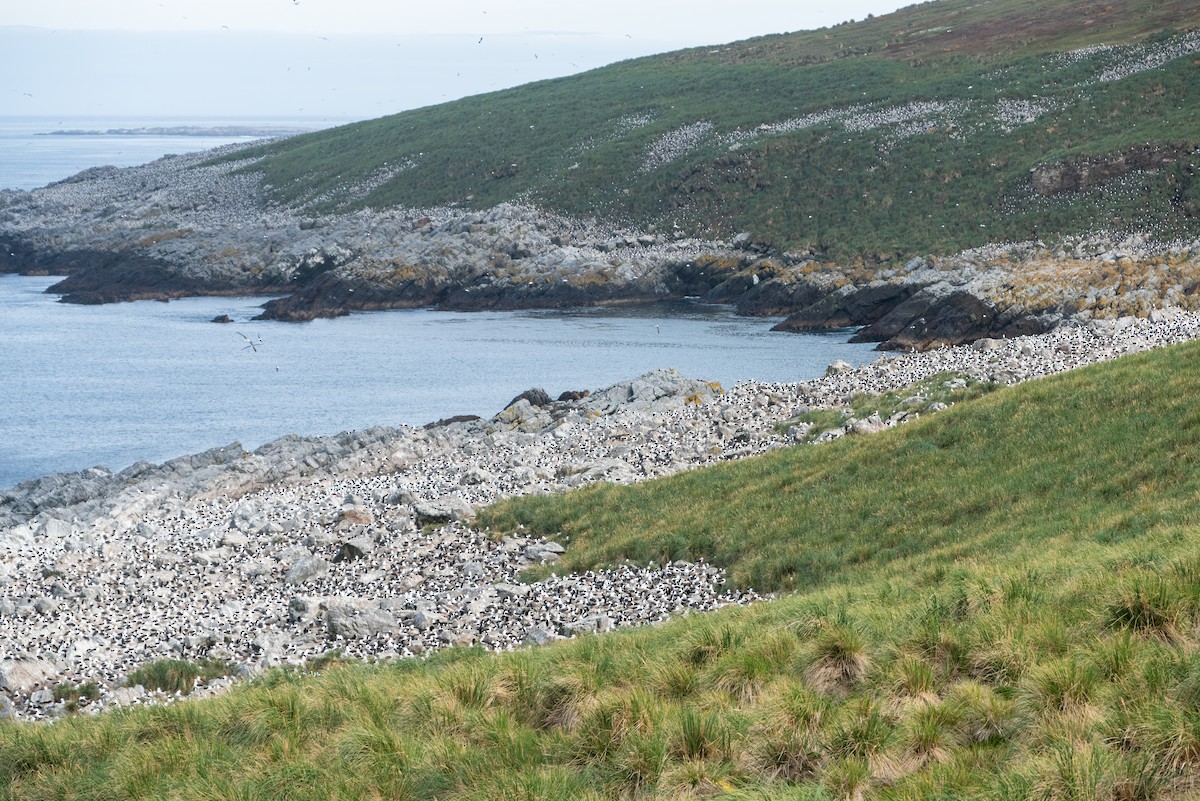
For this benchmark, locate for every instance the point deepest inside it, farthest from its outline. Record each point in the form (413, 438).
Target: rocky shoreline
(364, 542)
(196, 225)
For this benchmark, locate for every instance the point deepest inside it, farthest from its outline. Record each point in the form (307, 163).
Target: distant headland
(188, 130)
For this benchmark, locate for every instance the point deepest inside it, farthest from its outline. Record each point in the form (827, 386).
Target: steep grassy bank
(1037, 638)
(1104, 454)
(902, 135)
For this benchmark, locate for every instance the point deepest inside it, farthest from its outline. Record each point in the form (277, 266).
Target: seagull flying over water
(250, 343)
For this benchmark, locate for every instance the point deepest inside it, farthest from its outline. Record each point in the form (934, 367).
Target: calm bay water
(110, 385)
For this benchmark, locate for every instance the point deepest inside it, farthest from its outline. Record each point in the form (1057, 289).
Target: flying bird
(250, 343)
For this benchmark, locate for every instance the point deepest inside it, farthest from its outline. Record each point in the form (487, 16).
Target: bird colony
(365, 542)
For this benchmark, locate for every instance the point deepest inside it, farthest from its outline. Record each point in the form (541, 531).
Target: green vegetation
(76, 696)
(1099, 455)
(999, 601)
(935, 116)
(177, 675)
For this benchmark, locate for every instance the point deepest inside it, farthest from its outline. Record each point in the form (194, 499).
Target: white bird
(250, 343)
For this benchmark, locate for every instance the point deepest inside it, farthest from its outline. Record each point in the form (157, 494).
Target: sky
(343, 59)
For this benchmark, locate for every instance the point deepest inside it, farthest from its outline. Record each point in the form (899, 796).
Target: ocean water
(110, 385)
(29, 159)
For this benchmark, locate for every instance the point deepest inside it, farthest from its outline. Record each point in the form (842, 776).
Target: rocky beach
(364, 542)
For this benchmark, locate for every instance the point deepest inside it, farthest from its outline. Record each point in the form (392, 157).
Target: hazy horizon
(357, 59)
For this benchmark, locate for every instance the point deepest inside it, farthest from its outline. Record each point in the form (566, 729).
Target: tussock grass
(1041, 644)
(176, 675)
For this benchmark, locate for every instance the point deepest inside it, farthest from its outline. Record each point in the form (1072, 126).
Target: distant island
(188, 130)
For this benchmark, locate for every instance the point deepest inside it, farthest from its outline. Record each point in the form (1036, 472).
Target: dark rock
(574, 395)
(536, 397)
(330, 294)
(458, 418)
(222, 318)
(932, 318)
(766, 298)
(1081, 175)
(97, 276)
(850, 306)
(354, 549)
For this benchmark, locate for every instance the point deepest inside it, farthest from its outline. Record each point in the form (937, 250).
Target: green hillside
(1098, 456)
(998, 602)
(907, 134)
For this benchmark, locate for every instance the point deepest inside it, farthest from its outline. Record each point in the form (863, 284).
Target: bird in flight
(250, 343)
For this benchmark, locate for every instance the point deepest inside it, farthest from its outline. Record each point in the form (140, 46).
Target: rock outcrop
(1084, 174)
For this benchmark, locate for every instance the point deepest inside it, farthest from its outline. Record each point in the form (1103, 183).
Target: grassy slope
(1096, 456)
(576, 150)
(1004, 606)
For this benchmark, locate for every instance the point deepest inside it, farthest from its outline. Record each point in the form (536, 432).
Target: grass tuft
(177, 675)
(1148, 605)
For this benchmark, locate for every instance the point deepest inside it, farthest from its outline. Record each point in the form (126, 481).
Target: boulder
(475, 476)
(588, 625)
(234, 539)
(871, 425)
(17, 538)
(271, 646)
(536, 397)
(424, 620)
(442, 511)
(838, 366)
(355, 548)
(544, 552)
(21, 674)
(349, 622)
(354, 516)
(125, 696)
(54, 529)
(536, 635)
(305, 569)
(988, 344)
(302, 609)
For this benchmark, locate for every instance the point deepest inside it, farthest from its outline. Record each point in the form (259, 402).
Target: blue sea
(111, 385)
